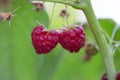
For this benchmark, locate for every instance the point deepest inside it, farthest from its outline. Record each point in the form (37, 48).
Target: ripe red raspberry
(44, 41)
(118, 76)
(104, 77)
(72, 39)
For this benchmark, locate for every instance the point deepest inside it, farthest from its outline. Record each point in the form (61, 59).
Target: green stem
(70, 3)
(59, 1)
(100, 39)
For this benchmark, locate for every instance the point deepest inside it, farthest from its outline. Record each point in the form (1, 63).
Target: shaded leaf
(117, 34)
(17, 56)
(108, 25)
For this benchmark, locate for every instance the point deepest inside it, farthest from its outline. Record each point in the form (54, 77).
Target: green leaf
(56, 20)
(17, 55)
(117, 52)
(107, 25)
(49, 64)
(117, 58)
(117, 34)
(18, 59)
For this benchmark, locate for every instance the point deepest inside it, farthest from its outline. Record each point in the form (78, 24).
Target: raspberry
(104, 77)
(90, 49)
(72, 39)
(118, 76)
(44, 41)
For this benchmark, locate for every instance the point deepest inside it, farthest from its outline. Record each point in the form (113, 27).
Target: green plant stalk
(70, 3)
(105, 49)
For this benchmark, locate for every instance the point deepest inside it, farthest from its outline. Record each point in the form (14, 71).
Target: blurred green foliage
(18, 60)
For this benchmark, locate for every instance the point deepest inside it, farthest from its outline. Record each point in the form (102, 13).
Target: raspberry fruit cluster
(104, 77)
(71, 39)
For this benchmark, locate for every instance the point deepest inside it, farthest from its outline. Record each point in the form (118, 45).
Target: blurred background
(18, 60)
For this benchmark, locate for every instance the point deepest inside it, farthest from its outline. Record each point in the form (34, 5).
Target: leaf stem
(52, 15)
(66, 17)
(114, 32)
